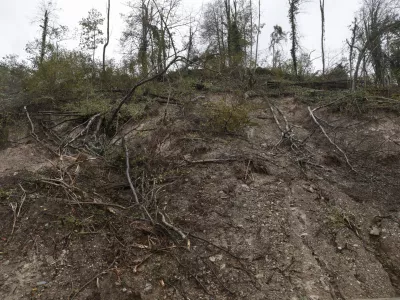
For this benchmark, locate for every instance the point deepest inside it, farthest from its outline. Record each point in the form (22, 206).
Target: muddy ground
(266, 216)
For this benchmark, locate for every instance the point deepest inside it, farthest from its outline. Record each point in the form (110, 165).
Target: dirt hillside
(274, 210)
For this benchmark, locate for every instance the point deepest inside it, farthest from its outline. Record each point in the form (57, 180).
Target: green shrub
(89, 106)
(223, 116)
(63, 76)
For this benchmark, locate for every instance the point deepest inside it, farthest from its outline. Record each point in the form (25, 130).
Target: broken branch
(330, 140)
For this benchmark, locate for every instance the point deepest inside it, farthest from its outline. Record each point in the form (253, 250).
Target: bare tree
(45, 32)
(149, 32)
(228, 28)
(258, 32)
(107, 37)
(351, 44)
(377, 18)
(190, 45)
(294, 7)
(277, 36)
(50, 31)
(322, 9)
(394, 58)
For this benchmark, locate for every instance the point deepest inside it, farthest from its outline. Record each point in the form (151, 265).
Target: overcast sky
(17, 25)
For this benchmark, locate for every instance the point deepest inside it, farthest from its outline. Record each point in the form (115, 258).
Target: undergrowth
(223, 116)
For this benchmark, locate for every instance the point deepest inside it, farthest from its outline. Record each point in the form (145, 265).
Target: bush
(89, 106)
(64, 76)
(223, 116)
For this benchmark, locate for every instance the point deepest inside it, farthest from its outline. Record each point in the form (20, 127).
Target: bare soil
(266, 218)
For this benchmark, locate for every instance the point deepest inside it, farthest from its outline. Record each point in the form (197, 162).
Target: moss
(4, 194)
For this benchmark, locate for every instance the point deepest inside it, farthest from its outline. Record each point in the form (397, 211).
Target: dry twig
(170, 226)
(128, 177)
(89, 123)
(127, 172)
(14, 206)
(329, 139)
(34, 135)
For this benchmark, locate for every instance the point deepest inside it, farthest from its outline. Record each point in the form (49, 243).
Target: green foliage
(89, 106)
(3, 133)
(133, 110)
(5, 194)
(338, 72)
(223, 116)
(303, 70)
(91, 35)
(95, 104)
(63, 76)
(362, 102)
(116, 77)
(12, 74)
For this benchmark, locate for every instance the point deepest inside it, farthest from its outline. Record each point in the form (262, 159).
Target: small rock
(215, 258)
(41, 283)
(245, 188)
(375, 231)
(148, 287)
(124, 290)
(223, 195)
(50, 260)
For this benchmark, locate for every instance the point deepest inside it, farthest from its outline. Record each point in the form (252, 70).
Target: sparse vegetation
(225, 116)
(198, 166)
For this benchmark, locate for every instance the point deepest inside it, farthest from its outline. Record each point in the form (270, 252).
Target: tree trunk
(190, 45)
(322, 8)
(144, 43)
(293, 25)
(108, 38)
(363, 50)
(45, 33)
(251, 33)
(360, 58)
(229, 29)
(258, 32)
(351, 45)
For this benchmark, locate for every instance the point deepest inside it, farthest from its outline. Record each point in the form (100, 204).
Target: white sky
(17, 27)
